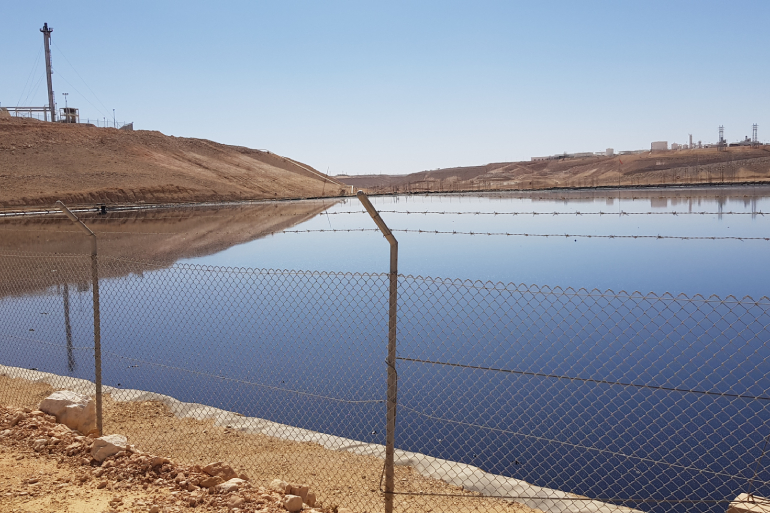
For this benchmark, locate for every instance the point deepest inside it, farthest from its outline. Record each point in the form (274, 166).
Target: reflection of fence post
(390, 428)
(97, 316)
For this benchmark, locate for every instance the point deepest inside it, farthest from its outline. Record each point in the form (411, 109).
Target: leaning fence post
(97, 316)
(390, 428)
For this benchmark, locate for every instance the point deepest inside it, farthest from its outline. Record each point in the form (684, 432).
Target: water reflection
(707, 267)
(157, 237)
(180, 330)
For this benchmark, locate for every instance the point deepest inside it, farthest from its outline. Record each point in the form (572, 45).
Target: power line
(106, 110)
(76, 90)
(29, 77)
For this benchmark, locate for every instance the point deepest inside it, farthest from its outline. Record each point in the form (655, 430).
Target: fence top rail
(406, 279)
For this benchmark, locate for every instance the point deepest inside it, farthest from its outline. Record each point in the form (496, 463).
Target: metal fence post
(97, 315)
(390, 428)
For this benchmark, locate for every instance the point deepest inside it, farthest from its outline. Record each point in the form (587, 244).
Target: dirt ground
(84, 165)
(340, 479)
(46, 467)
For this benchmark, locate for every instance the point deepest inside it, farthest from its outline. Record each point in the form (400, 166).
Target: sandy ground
(83, 165)
(340, 479)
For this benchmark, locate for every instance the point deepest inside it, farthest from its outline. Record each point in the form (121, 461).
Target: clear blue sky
(396, 87)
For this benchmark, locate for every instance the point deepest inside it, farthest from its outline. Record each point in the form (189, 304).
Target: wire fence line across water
(558, 399)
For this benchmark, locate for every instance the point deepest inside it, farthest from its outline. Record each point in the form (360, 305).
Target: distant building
(535, 159)
(675, 146)
(610, 152)
(659, 146)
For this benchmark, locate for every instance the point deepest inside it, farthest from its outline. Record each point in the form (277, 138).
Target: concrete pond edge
(455, 473)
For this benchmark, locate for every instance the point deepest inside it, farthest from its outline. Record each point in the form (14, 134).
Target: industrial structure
(49, 112)
(48, 69)
(656, 146)
(50, 109)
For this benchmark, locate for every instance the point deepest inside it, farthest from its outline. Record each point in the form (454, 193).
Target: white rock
(236, 502)
(106, 446)
(292, 503)
(74, 410)
(280, 486)
(300, 490)
(220, 469)
(310, 499)
(231, 485)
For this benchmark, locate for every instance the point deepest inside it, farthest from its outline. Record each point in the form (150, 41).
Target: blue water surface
(518, 354)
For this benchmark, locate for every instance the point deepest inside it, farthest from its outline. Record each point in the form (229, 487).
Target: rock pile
(74, 410)
(111, 463)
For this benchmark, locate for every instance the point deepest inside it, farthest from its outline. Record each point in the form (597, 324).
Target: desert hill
(683, 167)
(83, 165)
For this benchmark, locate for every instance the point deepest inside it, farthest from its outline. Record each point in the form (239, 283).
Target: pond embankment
(344, 472)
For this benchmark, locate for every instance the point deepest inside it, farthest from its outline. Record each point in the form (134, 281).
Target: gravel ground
(340, 479)
(47, 467)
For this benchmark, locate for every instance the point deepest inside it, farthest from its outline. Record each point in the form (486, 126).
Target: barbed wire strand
(511, 234)
(118, 214)
(244, 382)
(569, 444)
(431, 232)
(586, 380)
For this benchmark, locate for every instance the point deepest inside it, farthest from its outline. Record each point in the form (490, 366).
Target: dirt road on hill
(84, 165)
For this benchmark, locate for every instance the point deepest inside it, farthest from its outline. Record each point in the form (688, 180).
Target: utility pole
(47, 40)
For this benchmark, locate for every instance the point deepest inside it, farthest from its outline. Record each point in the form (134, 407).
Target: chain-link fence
(509, 396)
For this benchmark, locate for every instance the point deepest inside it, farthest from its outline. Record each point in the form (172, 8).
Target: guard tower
(69, 115)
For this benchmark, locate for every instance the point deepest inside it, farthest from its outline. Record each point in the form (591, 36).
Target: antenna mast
(47, 40)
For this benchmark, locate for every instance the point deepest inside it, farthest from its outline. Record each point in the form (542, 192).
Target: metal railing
(42, 114)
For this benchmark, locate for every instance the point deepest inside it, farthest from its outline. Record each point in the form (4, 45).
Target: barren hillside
(704, 166)
(82, 165)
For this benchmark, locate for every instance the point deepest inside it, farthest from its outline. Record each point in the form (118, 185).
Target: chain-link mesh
(509, 396)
